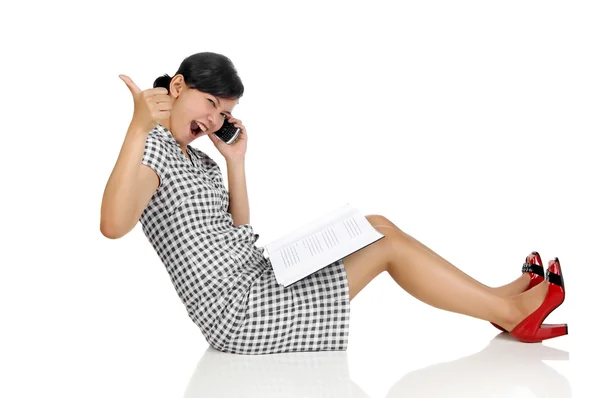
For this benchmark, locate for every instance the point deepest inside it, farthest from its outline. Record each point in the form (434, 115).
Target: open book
(319, 243)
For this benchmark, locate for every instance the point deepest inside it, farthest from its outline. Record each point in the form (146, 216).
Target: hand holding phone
(228, 133)
(233, 132)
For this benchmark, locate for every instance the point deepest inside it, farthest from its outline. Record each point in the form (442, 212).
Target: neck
(165, 123)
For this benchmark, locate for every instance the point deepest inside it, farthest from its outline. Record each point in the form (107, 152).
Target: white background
(471, 125)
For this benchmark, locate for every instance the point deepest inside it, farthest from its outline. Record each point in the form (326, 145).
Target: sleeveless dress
(227, 286)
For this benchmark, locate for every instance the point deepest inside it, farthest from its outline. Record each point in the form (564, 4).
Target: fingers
(160, 97)
(161, 115)
(150, 106)
(236, 122)
(130, 84)
(160, 92)
(163, 106)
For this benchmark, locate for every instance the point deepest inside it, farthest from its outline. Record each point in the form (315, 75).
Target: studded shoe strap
(555, 278)
(533, 268)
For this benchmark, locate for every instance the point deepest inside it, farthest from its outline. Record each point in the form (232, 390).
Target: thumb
(130, 84)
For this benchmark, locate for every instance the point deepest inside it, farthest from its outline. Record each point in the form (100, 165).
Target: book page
(310, 228)
(314, 251)
(320, 242)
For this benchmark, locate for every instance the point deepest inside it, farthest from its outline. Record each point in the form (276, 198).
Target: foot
(517, 286)
(524, 304)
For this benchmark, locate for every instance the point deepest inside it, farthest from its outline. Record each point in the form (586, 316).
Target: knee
(379, 220)
(392, 233)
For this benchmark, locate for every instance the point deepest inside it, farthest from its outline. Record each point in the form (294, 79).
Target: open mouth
(195, 130)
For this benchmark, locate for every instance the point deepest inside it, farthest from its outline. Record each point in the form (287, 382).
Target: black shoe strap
(533, 268)
(555, 278)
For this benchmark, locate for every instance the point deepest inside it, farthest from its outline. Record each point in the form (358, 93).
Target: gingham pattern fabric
(227, 286)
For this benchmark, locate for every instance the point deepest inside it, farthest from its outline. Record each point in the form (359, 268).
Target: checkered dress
(227, 286)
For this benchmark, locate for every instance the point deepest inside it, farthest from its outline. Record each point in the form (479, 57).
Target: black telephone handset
(228, 132)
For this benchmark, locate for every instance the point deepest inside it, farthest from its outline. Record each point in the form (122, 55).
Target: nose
(213, 118)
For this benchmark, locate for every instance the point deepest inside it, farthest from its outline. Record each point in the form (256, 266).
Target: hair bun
(163, 81)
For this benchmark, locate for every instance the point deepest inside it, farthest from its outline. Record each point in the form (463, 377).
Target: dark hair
(208, 72)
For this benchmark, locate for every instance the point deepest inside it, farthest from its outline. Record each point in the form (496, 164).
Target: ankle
(509, 313)
(517, 308)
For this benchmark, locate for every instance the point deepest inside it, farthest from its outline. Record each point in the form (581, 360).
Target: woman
(202, 233)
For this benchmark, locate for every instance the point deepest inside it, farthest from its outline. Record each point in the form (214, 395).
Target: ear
(177, 85)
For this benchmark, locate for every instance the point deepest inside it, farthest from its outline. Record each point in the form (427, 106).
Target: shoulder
(207, 161)
(159, 135)
(160, 139)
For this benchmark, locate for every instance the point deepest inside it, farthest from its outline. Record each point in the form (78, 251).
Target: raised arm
(132, 184)
(129, 188)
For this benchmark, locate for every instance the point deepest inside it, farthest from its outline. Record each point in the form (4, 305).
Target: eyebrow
(227, 112)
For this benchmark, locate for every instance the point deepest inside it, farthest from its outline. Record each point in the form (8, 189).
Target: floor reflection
(296, 374)
(505, 368)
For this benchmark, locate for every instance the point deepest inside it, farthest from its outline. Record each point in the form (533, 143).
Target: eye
(222, 114)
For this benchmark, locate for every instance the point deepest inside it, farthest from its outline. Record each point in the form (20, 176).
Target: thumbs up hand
(150, 106)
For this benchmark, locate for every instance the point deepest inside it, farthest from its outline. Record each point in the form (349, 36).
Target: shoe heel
(550, 331)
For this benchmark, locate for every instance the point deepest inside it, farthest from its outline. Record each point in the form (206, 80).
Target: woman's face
(192, 107)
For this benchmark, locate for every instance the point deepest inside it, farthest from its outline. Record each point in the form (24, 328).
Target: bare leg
(437, 282)
(517, 286)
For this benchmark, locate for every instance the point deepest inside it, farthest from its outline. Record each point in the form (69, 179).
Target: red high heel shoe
(535, 269)
(531, 329)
